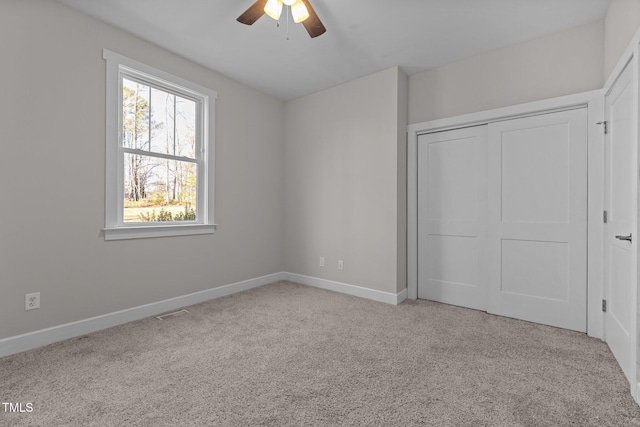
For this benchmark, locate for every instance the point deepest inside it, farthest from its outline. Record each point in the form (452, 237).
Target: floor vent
(174, 314)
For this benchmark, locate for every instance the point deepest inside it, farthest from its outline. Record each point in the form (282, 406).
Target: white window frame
(119, 66)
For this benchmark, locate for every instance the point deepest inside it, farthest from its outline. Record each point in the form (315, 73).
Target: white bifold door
(502, 218)
(538, 219)
(452, 217)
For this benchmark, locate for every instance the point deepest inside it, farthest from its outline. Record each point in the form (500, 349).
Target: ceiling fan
(301, 10)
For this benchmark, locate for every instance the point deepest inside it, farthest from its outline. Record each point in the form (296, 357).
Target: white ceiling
(363, 36)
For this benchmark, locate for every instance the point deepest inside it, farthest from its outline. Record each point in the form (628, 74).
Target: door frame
(631, 57)
(593, 101)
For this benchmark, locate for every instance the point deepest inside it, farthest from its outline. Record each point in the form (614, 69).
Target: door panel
(535, 169)
(502, 218)
(520, 276)
(452, 217)
(621, 199)
(537, 199)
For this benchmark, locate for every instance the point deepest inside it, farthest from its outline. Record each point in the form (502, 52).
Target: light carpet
(287, 354)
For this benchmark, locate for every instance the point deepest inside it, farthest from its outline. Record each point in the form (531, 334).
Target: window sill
(123, 233)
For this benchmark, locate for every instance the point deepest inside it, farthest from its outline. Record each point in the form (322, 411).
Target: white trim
(629, 53)
(46, 336)
(634, 294)
(141, 68)
(631, 57)
(157, 231)
(31, 340)
(401, 296)
(118, 66)
(595, 227)
(592, 100)
(505, 113)
(344, 288)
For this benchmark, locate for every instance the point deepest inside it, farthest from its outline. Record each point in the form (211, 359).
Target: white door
(452, 179)
(538, 219)
(620, 202)
(502, 218)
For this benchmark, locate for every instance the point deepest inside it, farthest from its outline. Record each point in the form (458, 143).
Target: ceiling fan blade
(312, 24)
(252, 14)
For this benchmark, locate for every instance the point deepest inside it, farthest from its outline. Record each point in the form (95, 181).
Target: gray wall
(344, 182)
(558, 64)
(52, 169)
(571, 61)
(333, 184)
(621, 24)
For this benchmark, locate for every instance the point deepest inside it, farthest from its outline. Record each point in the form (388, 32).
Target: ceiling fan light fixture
(273, 8)
(299, 11)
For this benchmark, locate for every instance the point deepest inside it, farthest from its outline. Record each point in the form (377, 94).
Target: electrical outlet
(32, 301)
(321, 261)
(340, 265)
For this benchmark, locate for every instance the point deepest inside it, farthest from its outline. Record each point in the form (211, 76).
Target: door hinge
(605, 216)
(604, 305)
(606, 126)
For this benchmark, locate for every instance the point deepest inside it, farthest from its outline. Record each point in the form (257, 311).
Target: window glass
(159, 151)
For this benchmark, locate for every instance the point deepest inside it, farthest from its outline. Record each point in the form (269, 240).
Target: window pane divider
(160, 155)
(200, 148)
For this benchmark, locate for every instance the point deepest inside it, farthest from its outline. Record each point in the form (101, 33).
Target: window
(159, 153)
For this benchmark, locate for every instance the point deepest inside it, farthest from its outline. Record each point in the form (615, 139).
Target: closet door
(452, 180)
(537, 220)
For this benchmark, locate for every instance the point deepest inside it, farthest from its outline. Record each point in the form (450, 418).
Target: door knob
(628, 238)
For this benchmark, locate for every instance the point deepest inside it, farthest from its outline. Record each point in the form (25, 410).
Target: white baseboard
(46, 336)
(358, 291)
